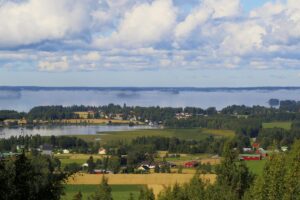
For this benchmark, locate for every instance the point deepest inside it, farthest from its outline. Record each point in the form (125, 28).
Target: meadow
(284, 125)
(119, 192)
(256, 167)
(75, 158)
(186, 134)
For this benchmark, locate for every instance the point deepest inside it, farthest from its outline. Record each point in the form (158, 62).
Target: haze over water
(22, 99)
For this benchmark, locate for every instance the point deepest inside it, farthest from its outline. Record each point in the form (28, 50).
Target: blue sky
(200, 43)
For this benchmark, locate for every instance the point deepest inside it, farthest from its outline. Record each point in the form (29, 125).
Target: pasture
(284, 125)
(75, 158)
(186, 134)
(256, 167)
(119, 192)
(203, 158)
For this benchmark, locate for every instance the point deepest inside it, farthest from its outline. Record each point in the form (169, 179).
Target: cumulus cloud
(145, 24)
(61, 35)
(207, 10)
(33, 21)
(50, 66)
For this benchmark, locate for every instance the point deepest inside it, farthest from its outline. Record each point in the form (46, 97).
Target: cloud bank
(92, 35)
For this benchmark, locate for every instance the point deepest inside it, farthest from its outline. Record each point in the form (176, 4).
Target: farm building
(284, 148)
(66, 151)
(102, 151)
(245, 149)
(150, 165)
(262, 152)
(143, 168)
(248, 157)
(191, 164)
(85, 115)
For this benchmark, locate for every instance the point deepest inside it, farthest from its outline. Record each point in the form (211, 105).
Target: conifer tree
(103, 192)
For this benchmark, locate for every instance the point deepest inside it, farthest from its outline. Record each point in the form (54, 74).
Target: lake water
(25, 99)
(67, 130)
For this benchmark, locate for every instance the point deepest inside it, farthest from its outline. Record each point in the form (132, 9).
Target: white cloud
(50, 66)
(207, 10)
(33, 21)
(148, 34)
(144, 25)
(242, 38)
(92, 56)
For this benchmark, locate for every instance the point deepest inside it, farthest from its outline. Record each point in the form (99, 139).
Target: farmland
(154, 181)
(284, 125)
(187, 134)
(119, 192)
(75, 158)
(256, 166)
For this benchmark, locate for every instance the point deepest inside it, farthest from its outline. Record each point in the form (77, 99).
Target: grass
(256, 166)
(186, 134)
(75, 158)
(284, 125)
(119, 192)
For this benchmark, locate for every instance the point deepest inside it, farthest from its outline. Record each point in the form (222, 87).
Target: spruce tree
(103, 192)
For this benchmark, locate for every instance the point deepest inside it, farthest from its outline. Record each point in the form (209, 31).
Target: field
(204, 158)
(284, 125)
(119, 192)
(154, 181)
(256, 166)
(75, 158)
(187, 134)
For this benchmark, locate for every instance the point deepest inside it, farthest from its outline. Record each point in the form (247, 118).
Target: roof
(250, 155)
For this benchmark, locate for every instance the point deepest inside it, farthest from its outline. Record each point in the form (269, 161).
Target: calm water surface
(67, 130)
(24, 100)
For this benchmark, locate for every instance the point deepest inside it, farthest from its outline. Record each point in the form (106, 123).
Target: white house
(66, 151)
(102, 151)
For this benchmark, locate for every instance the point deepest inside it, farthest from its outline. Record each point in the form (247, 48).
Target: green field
(187, 134)
(256, 166)
(119, 192)
(284, 125)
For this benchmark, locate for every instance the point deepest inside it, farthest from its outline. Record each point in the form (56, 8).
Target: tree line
(287, 110)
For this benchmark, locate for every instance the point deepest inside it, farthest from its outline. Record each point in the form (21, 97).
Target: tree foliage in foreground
(37, 178)
(280, 181)
(281, 178)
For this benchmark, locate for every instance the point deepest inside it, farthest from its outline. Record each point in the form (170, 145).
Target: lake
(67, 130)
(24, 98)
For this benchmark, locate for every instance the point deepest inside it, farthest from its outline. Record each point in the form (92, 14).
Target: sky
(144, 43)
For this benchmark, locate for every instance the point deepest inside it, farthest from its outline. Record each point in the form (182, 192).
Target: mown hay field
(155, 181)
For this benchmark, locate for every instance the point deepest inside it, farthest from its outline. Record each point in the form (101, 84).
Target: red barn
(191, 164)
(248, 157)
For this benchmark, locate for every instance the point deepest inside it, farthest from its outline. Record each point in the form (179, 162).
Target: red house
(255, 146)
(191, 164)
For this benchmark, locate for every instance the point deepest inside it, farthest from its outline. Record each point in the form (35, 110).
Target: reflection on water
(24, 100)
(67, 130)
